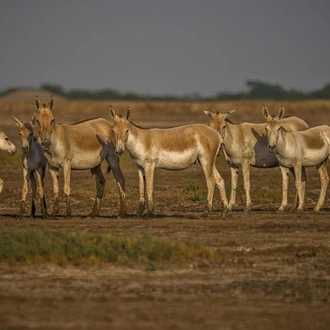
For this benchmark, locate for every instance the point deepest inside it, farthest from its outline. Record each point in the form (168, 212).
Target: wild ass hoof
(206, 214)
(122, 213)
(140, 210)
(92, 215)
(148, 215)
(232, 206)
(247, 209)
(53, 214)
(55, 211)
(224, 213)
(20, 214)
(45, 215)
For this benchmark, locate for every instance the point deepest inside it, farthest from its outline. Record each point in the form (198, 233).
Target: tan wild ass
(34, 168)
(78, 146)
(8, 146)
(172, 149)
(298, 150)
(245, 145)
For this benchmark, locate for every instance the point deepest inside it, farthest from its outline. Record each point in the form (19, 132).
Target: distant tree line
(256, 89)
(261, 90)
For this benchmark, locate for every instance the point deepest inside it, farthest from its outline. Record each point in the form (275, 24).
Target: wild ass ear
(230, 112)
(128, 112)
(18, 122)
(112, 112)
(208, 113)
(51, 103)
(33, 120)
(265, 112)
(37, 102)
(281, 112)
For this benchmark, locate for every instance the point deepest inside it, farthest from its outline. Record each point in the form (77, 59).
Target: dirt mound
(24, 95)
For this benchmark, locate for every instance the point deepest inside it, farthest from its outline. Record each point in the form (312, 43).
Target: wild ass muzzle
(34, 169)
(300, 149)
(171, 149)
(8, 146)
(79, 146)
(245, 145)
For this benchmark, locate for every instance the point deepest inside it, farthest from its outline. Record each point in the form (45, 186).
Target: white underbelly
(169, 160)
(316, 157)
(312, 158)
(83, 163)
(77, 162)
(176, 160)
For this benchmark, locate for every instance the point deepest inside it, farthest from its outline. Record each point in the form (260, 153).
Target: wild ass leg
(100, 185)
(120, 179)
(34, 194)
(54, 174)
(299, 186)
(234, 170)
(1, 185)
(303, 181)
(40, 175)
(303, 185)
(246, 180)
(210, 183)
(220, 183)
(285, 183)
(142, 182)
(149, 177)
(296, 197)
(324, 178)
(24, 193)
(67, 187)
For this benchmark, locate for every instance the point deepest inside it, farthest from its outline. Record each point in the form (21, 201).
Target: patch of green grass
(193, 190)
(34, 246)
(266, 195)
(10, 160)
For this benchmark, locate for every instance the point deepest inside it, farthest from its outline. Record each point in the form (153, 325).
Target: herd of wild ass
(287, 142)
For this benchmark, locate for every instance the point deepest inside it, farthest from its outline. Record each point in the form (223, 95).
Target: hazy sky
(165, 47)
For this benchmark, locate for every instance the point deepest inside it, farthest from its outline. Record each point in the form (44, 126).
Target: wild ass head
(6, 144)
(120, 130)
(45, 121)
(273, 126)
(26, 134)
(218, 120)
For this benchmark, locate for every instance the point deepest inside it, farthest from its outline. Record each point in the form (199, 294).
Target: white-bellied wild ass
(79, 146)
(34, 168)
(245, 145)
(170, 148)
(8, 146)
(298, 150)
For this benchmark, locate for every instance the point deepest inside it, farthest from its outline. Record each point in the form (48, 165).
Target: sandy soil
(275, 271)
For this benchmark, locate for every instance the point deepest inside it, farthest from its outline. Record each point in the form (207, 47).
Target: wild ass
(8, 146)
(79, 146)
(298, 150)
(34, 168)
(172, 149)
(245, 145)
